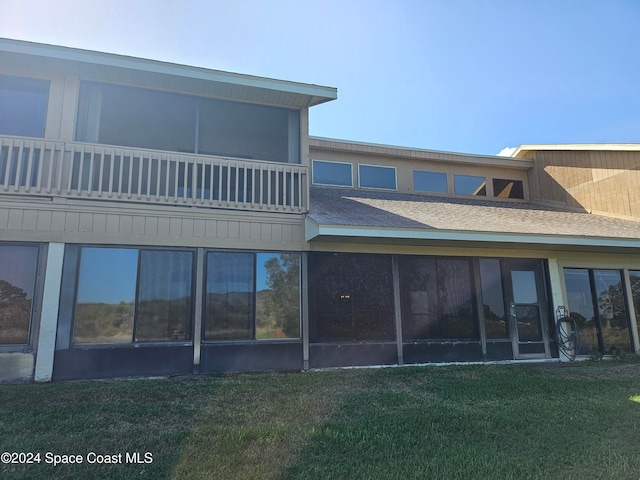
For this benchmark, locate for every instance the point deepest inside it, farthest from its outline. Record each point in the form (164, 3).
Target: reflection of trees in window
(278, 306)
(612, 309)
(15, 314)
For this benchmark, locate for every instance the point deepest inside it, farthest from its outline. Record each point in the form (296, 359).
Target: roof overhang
(108, 67)
(576, 147)
(421, 236)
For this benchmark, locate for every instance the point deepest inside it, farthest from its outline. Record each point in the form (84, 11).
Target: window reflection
(374, 176)
(470, 185)
(277, 295)
(429, 181)
(164, 296)
(229, 296)
(23, 106)
(507, 188)
(105, 296)
(612, 310)
(17, 283)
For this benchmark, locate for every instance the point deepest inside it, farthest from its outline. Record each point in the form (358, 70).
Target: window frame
(387, 167)
(254, 320)
(313, 180)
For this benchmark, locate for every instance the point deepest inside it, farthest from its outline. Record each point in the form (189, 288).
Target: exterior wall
(598, 181)
(101, 223)
(406, 162)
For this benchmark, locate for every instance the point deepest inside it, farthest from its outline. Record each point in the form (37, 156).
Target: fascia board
(317, 230)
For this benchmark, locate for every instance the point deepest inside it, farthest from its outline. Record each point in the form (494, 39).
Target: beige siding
(97, 223)
(596, 180)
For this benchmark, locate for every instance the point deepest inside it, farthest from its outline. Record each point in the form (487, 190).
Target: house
(162, 219)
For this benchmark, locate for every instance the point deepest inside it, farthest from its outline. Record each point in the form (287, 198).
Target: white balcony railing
(81, 170)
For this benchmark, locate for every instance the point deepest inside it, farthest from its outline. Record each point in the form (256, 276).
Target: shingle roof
(363, 208)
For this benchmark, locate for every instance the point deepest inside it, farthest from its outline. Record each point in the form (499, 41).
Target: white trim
(313, 182)
(49, 316)
(314, 230)
(600, 147)
(395, 177)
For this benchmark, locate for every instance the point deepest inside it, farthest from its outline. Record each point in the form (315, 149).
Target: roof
(152, 73)
(601, 147)
(341, 213)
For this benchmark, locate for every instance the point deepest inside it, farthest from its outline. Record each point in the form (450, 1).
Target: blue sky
(458, 75)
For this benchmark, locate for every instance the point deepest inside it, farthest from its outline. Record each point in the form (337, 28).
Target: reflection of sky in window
(165, 275)
(579, 292)
(377, 177)
(524, 287)
(107, 275)
(18, 267)
(430, 181)
(468, 184)
(332, 173)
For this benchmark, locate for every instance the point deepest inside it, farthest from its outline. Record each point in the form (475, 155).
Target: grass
(485, 421)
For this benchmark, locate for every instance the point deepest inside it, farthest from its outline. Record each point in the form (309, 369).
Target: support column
(49, 315)
(197, 314)
(398, 311)
(305, 311)
(558, 297)
(633, 321)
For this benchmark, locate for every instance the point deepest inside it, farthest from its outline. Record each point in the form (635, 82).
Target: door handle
(512, 309)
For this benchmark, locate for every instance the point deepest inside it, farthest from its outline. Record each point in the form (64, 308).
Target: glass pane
(332, 173)
(634, 277)
(455, 298)
(437, 302)
(429, 182)
(581, 308)
(493, 298)
(419, 294)
(241, 130)
(278, 295)
(105, 297)
(507, 188)
(612, 310)
(164, 296)
(136, 117)
(528, 319)
(371, 176)
(23, 106)
(524, 286)
(470, 185)
(17, 280)
(229, 296)
(351, 298)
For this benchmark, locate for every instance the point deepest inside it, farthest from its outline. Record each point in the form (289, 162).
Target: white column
(558, 298)
(49, 315)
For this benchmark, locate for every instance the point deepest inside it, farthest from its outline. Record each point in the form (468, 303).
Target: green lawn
(484, 422)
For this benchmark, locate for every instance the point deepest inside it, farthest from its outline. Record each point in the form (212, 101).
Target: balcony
(76, 170)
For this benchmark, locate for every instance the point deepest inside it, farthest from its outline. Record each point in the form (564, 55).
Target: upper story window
(23, 106)
(470, 185)
(375, 176)
(508, 188)
(137, 117)
(429, 182)
(332, 173)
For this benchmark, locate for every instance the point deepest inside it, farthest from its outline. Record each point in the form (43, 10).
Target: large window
(23, 106)
(597, 304)
(351, 298)
(252, 296)
(470, 185)
(137, 117)
(507, 188)
(17, 284)
(437, 299)
(375, 176)
(332, 173)
(434, 182)
(126, 294)
(493, 299)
